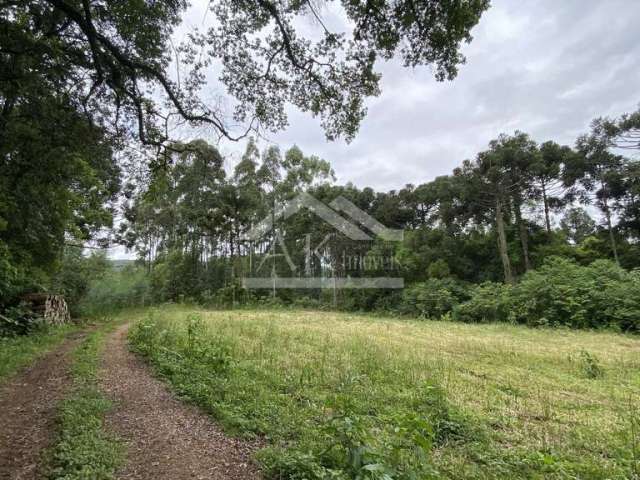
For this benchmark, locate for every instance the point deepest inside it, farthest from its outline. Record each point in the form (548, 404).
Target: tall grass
(349, 396)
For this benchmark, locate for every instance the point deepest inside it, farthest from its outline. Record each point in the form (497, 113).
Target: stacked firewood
(52, 308)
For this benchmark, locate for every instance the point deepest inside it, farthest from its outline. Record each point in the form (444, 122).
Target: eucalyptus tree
(250, 194)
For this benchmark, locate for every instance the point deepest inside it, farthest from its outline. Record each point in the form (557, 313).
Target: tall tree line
(493, 218)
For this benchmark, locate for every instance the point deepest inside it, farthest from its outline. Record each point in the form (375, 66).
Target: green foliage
(577, 224)
(76, 273)
(439, 269)
(563, 293)
(19, 320)
(489, 302)
(433, 298)
(83, 448)
(8, 273)
(117, 289)
(590, 365)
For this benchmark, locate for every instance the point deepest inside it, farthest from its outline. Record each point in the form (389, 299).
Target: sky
(545, 67)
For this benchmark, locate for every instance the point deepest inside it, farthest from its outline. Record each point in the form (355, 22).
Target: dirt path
(166, 439)
(28, 409)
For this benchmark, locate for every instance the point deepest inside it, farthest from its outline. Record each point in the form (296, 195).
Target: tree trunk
(612, 238)
(546, 207)
(502, 243)
(524, 236)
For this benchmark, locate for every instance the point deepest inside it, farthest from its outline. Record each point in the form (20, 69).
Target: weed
(84, 449)
(590, 365)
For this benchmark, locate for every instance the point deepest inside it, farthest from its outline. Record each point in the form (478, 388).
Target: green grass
(84, 450)
(350, 396)
(17, 352)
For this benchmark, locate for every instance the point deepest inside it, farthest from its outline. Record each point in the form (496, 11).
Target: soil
(166, 439)
(28, 410)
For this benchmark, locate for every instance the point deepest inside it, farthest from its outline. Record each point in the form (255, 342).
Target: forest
(196, 280)
(540, 234)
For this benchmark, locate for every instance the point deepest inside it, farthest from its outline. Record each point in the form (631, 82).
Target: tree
(577, 224)
(547, 175)
(621, 133)
(110, 66)
(628, 200)
(595, 175)
(58, 181)
(503, 179)
(515, 156)
(79, 80)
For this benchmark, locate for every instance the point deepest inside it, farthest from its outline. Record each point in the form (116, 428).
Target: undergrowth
(18, 351)
(84, 450)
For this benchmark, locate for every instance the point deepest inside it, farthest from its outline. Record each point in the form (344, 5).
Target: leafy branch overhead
(118, 73)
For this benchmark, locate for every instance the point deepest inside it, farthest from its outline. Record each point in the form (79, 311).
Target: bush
(19, 320)
(563, 293)
(433, 298)
(76, 273)
(489, 303)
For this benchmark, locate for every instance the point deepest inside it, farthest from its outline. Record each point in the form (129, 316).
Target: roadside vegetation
(84, 449)
(353, 396)
(19, 351)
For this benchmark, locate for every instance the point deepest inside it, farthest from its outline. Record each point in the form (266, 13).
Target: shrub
(227, 296)
(433, 298)
(590, 365)
(489, 303)
(563, 293)
(438, 269)
(19, 320)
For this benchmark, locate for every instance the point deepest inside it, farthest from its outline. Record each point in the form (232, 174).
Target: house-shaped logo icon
(349, 227)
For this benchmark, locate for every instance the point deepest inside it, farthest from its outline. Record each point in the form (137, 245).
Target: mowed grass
(351, 396)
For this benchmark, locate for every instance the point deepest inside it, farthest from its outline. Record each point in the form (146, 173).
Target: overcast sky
(546, 67)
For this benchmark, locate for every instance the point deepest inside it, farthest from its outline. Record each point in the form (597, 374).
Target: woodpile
(52, 308)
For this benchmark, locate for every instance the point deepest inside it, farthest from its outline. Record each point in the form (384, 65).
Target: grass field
(350, 396)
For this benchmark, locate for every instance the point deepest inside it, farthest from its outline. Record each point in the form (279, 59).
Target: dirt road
(28, 409)
(166, 439)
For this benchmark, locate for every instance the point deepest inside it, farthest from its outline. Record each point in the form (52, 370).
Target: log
(52, 308)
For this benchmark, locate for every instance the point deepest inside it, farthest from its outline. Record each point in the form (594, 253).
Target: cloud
(546, 68)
